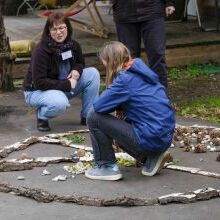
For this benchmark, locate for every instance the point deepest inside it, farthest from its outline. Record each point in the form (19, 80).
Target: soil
(184, 90)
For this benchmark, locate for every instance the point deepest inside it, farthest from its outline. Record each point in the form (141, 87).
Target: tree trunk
(6, 79)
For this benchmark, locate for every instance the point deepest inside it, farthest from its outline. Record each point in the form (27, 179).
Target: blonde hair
(114, 55)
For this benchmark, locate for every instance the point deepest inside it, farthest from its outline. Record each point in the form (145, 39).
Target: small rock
(20, 178)
(194, 135)
(80, 152)
(25, 156)
(182, 144)
(60, 178)
(45, 172)
(212, 149)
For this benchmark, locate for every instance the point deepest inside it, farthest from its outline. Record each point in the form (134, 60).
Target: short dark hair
(54, 19)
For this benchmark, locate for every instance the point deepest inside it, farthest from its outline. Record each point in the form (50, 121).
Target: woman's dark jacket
(43, 71)
(131, 11)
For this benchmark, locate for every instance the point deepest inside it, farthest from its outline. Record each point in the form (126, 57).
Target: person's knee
(91, 117)
(92, 74)
(58, 107)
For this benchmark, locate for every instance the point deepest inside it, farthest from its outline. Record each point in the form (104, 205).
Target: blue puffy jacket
(143, 99)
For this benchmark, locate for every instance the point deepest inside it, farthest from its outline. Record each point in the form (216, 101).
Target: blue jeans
(52, 103)
(104, 128)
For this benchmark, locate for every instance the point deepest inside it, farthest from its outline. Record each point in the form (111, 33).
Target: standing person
(56, 74)
(136, 19)
(148, 126)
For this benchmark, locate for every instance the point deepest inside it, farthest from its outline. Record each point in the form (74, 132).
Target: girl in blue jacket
(148, 124)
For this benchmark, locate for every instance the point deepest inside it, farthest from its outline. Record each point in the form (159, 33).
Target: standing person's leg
(130, 35)
(88, 85)
(103, 129)
(154, 37)
(49, 104)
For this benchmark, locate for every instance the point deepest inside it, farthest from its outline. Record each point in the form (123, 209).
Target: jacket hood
(139, 67)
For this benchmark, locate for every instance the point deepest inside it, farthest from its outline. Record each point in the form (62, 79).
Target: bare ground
(183, 90)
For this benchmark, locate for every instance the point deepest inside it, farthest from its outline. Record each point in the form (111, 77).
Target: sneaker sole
(160, 163)
(113, 177)
(43, 129)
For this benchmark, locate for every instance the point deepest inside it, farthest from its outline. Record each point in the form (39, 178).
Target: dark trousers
(154, 39)
(104, 128)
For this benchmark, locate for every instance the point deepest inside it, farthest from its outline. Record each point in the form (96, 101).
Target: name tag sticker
(66, 55)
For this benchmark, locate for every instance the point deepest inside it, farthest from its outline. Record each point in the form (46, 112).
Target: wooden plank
(193, 54)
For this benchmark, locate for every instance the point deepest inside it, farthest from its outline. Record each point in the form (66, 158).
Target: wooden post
(6, 79)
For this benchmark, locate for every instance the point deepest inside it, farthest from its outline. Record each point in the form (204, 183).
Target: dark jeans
(154, 39)
(104, 128)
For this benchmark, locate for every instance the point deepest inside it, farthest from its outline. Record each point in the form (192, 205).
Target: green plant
(193, 70)
(102, 87)
(207, 108)
(176, 162)
(18, 82)
(76, 139)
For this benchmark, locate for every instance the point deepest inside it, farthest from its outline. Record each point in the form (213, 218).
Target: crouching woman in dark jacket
(148, 126)
(57, 74)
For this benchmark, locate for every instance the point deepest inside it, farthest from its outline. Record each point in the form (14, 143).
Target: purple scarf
(58, 48)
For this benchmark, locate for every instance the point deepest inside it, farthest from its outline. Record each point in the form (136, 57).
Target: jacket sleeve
(115, 95)
(40, 62)
(80, 62)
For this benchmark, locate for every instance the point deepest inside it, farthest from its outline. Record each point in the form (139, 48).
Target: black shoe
(83, 121)
(43, 125)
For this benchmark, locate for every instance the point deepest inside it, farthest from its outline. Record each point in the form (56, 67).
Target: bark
(50, 139)
(192, 170)
(189, 197)
(28, 164)
(6, 79)
(45, 196)
(126, 201)
(5, 151)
